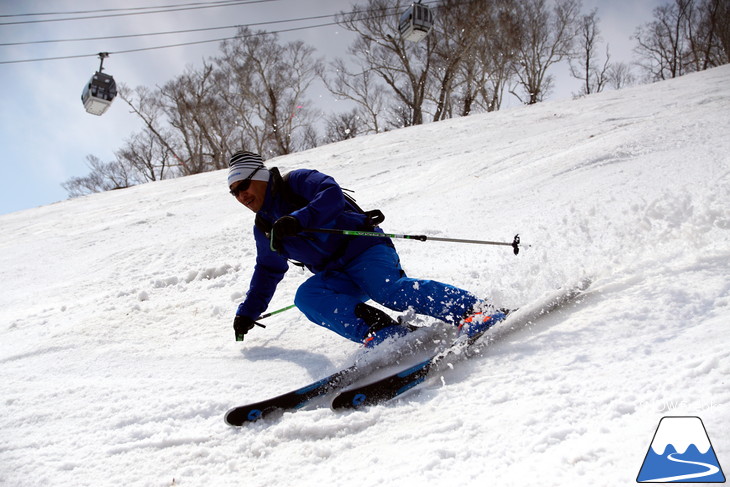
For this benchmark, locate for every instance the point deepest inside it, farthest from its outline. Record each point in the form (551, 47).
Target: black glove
(286, 226)
(241, 325)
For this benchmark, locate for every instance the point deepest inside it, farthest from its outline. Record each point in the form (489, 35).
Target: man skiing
(348, 271)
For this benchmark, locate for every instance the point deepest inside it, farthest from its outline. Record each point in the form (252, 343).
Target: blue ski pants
(329, 298)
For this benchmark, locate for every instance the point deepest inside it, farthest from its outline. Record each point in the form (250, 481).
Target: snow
(118, 360)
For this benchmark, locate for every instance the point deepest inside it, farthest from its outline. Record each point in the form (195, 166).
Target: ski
(298, 398)
(289, 401)
(402, 381)
(392, 385)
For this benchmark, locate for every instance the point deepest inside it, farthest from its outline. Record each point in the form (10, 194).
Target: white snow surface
(117, 354)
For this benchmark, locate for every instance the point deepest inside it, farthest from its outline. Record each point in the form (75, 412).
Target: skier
(348, 271)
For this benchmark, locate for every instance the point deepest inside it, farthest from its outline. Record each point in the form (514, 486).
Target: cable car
(100, 91)
(416, 22)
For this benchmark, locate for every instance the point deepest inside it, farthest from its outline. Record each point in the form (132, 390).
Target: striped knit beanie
(243, 164)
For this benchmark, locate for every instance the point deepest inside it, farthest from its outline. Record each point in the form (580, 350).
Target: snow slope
(117, 355)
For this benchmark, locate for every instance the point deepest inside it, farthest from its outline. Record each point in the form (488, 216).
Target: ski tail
(299, 398)
(290, 401)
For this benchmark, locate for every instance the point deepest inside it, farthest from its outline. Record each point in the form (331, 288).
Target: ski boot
(479, 320)
(381, 325)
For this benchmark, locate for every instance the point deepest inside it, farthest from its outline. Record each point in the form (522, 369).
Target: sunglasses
(244, 184)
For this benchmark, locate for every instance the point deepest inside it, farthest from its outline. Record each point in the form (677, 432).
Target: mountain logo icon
(680, 452)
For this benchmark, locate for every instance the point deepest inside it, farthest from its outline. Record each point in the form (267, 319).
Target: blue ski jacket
(326, 208)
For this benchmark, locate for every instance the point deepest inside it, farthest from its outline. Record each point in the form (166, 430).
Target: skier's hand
(241, 325)
(286, 226)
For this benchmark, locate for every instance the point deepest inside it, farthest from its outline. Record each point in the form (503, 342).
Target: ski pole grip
(516, 244)
(271, 241)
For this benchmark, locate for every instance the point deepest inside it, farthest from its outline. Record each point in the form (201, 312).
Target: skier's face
(253, 196)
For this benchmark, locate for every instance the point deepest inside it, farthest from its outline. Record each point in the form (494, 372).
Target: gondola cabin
(416, 22)
(99, 92)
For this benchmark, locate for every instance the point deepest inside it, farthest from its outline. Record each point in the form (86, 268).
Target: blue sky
(46, 134)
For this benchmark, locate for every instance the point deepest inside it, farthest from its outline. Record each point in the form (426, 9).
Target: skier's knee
(303, 300)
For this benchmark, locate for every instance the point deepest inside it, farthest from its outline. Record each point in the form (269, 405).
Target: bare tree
(183, 117)
(460, 25)
(547, 38)
(496, 58)
(708, 24)
(147, 105)
(275, 78)
(253, 96)
(721, 21)
(398, 116)
(584, 64)
(620, 75)
(234, 80)
(343, 126)
(404, 67)
(309, 139)
(103, 176)
(465, 62)
(685, 36)
(361, 88)
(143, 152)
(661, 44)
(191, 109)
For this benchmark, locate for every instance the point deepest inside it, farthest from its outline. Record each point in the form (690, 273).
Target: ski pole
(285, 308)
(515, 244)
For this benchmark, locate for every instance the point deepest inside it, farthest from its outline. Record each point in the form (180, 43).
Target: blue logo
(681, 452)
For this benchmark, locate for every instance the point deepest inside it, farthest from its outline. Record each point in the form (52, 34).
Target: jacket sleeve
(268, 272)
(326, 200)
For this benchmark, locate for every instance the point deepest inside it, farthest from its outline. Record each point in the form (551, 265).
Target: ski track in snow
(117, 355)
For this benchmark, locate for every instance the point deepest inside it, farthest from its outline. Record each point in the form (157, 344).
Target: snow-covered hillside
(117, 355)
